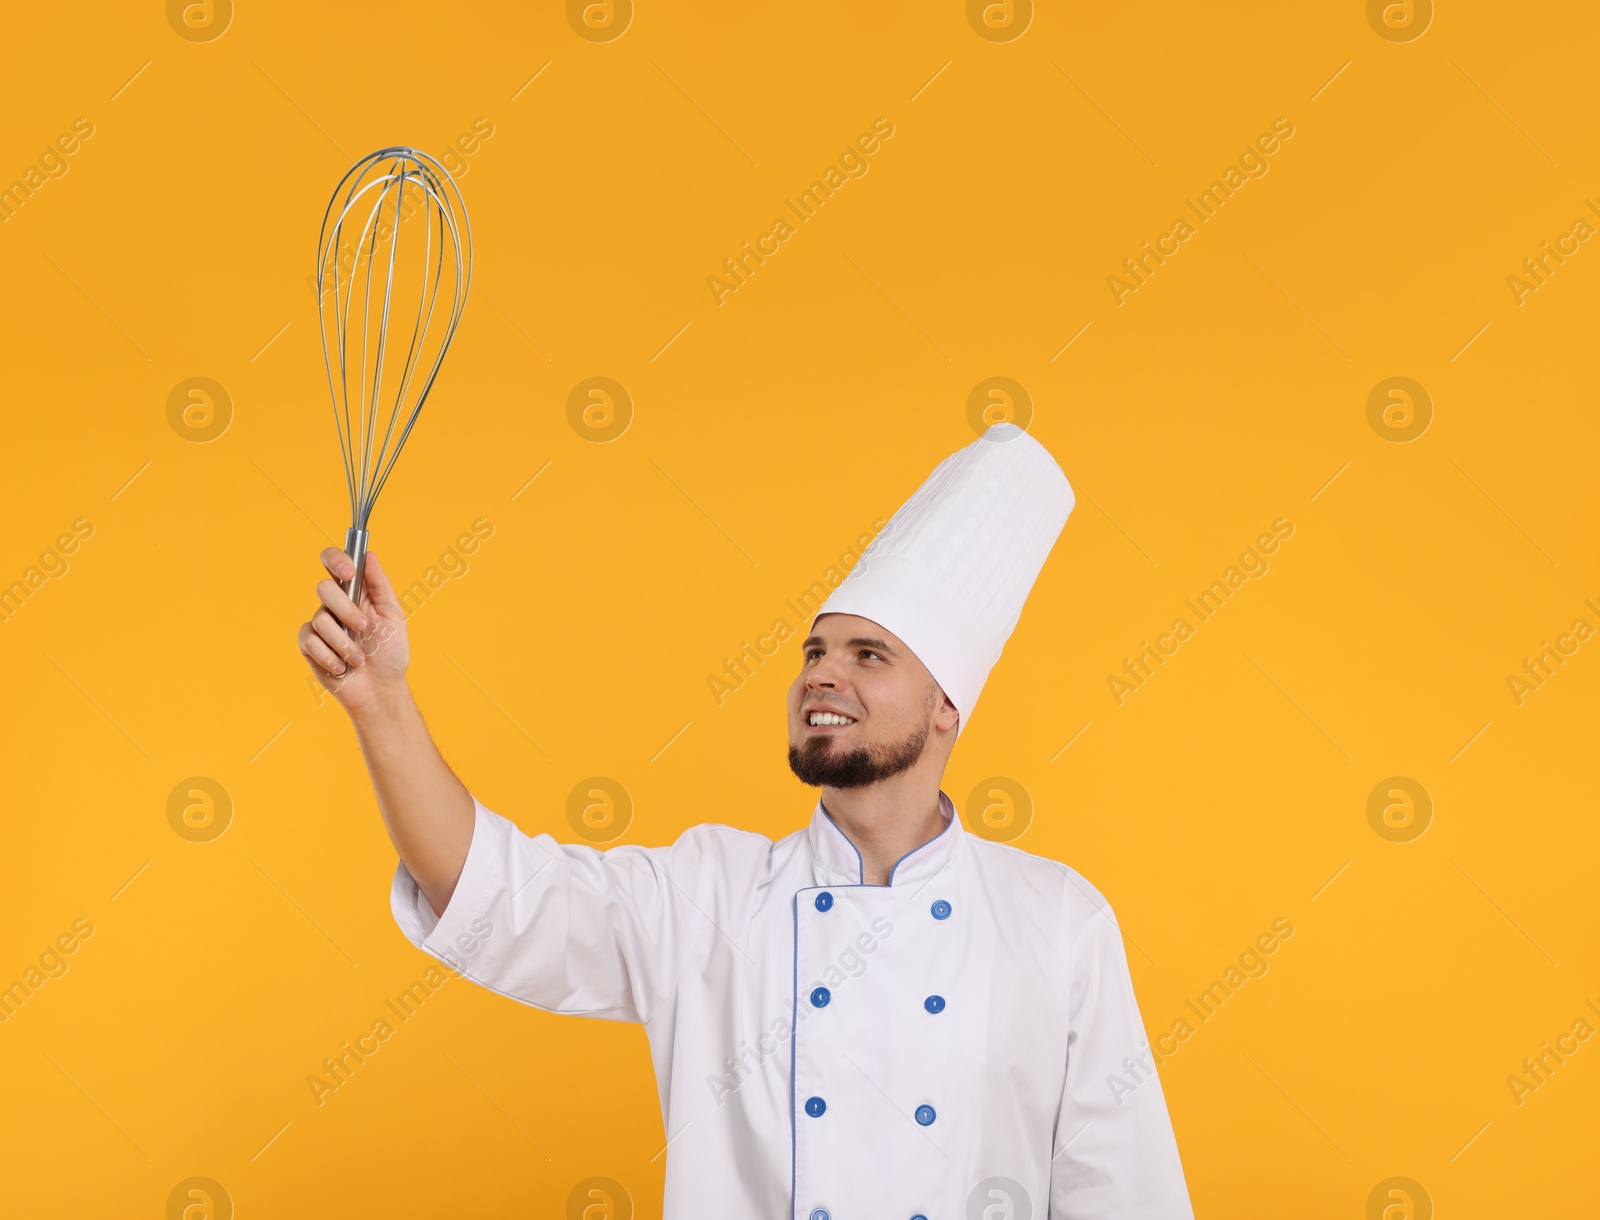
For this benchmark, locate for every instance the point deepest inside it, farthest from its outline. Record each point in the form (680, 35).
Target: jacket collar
(837, 862)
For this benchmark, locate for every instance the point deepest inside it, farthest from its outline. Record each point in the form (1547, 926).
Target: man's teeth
(829, 718)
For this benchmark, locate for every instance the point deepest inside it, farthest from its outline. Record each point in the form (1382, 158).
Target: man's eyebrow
(858, 642)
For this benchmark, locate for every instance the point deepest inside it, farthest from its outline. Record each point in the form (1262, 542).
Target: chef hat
(949, 573)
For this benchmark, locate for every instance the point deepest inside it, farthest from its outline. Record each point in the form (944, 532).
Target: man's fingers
(336, 637)
(338, 601)
(316, 650)
(338, 564)
(378, 586)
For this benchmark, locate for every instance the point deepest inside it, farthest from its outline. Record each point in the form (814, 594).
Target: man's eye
(872, 654)
(813, 653)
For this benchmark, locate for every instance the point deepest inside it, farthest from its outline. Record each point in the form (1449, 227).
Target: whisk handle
(355, 546)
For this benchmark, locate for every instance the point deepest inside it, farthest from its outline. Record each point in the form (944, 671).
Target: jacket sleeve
(1115, 1156)
(569, 928)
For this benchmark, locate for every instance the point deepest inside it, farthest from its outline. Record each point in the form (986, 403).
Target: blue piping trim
(794, 1043)
(861, 867)
(929, 843)
(794, 984)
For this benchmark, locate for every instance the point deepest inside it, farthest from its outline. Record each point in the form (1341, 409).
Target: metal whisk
(394, 264)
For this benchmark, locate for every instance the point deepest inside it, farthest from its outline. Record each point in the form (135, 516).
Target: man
(878, 1017)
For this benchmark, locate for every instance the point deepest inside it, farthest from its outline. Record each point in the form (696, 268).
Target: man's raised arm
(428, 811)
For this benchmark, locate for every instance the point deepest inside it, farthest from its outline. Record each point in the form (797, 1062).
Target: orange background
(767, 432)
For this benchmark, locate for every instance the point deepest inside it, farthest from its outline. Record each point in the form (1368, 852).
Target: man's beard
(817, 764)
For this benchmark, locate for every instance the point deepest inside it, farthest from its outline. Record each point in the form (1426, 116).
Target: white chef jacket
(943, 1046)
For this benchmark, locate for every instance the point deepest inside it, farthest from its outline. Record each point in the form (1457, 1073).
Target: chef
(877, 1017)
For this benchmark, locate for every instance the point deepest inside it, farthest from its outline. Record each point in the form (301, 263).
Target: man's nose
(822, 675)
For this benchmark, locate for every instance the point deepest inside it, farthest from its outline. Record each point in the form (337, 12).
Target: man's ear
(947, 717)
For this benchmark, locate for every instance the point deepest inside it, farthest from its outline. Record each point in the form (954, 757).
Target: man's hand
(370, 667)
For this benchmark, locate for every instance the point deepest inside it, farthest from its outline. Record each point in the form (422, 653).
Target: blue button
(815, 1106)
(820, 997)
(925, 1115)
(941, 909)
(919, 1216)
(934, 1003)
(821, 1213)
(824, 901)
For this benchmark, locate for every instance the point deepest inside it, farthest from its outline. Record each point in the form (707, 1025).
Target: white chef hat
(949, 573)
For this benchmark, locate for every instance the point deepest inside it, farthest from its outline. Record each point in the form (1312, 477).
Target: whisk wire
(419, 331)
(458, 304)
(355, 478)
(369, 403)
(384, 192)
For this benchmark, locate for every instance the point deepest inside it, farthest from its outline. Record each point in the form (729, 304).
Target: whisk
(389, 302)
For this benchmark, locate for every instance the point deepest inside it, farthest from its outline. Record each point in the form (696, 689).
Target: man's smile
(827, 719)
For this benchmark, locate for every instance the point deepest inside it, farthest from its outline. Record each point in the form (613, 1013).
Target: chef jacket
(962, 1043)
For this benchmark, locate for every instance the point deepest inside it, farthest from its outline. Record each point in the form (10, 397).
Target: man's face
(862, 707)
